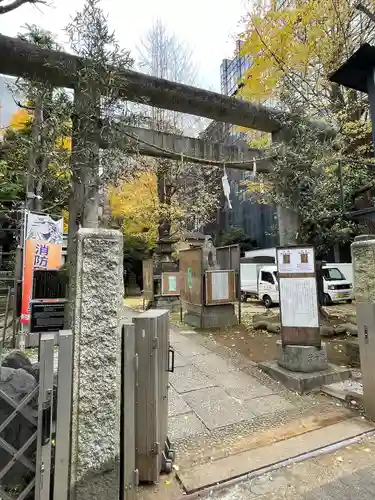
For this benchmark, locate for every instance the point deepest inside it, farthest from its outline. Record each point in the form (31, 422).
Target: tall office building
(257, 220)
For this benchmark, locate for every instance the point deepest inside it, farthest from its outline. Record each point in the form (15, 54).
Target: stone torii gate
(21, 59)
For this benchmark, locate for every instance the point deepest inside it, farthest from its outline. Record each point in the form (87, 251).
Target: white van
(336, 287)
(260, 281)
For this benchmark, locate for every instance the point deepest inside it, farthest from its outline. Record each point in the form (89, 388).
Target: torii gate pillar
(287, 218)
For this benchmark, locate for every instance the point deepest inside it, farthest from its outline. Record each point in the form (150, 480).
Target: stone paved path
(347, 474)
(207, 392)
(221, 405)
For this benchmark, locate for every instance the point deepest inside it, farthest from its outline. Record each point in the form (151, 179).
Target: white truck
(259, 279)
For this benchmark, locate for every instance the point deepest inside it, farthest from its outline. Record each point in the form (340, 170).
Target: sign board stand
(208, 294)
(302, 361)
(299, 308)
(47, 315)
(301, 348)
(160, 291)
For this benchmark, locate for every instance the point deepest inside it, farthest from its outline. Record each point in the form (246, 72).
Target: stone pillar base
(172, 303)
(301, 358)
(210, 316)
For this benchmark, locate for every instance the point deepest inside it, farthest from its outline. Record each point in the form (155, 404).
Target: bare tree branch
(366, 11)
(4, 9)
(19, 104)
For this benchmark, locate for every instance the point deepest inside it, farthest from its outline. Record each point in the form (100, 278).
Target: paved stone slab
(180, 360)
(240, 385)
(363, 479)
(175, 337)
(269, 404)
(347, 389)
(189, 332)
(188, 348)
(252, 460)
(176, 404)
(183, 426)
(212, 363)
(216, 408)
(318, 495)
(367, 479)
(189, 378)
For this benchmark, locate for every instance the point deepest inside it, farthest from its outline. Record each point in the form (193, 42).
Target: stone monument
(302, 363)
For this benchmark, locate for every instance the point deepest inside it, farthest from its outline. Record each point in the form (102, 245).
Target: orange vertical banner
(42, 250)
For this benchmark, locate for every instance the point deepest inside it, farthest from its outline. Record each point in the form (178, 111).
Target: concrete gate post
(363, 258)
(95, 433)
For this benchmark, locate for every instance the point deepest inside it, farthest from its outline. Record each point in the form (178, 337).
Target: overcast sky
(209, 27)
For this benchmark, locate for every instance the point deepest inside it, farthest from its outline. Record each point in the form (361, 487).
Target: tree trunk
(45, 127)
(84, 202)
(33, 153)
(164, 228)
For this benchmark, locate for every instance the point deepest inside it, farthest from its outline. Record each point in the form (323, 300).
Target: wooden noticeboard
(228, 257)
(220, 287)
(148, 279)
(299, 307)
(191, 284)
(170, 284)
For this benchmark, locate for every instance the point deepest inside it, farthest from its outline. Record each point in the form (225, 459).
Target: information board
(220, 287)
(299, 307)
(191, 276)
(47, 316)
(296, 260)
(170, 283)
(299, 302)
(148, 279)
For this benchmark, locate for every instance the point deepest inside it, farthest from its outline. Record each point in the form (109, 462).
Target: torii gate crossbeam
(22, 59)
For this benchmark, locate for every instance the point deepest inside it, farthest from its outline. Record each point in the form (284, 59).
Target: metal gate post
(146, 418)
(63, 418)
(129, 475)
(45, 405)
(153, 449)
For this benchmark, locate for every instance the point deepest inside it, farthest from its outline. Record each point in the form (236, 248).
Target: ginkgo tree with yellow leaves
(190, 196)
(51, 168)
(189, 200)
(135, 205)
(293, 49)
